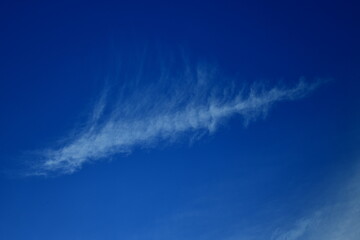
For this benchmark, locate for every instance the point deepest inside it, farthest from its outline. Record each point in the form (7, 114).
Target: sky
(179, 120)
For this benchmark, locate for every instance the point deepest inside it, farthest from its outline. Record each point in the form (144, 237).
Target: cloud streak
(337, 220)
(161, 113)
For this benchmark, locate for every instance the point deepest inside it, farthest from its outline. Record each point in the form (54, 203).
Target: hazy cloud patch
(192, 101)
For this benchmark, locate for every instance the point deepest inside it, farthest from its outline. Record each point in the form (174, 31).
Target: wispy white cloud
(337, 220)
(172, 108)
(300, 228)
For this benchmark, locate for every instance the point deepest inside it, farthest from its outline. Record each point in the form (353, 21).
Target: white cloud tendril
(150, 116)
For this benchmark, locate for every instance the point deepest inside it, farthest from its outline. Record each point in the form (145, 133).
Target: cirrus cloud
(186, 103)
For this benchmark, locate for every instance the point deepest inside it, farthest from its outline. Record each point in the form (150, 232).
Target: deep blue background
(56, 56)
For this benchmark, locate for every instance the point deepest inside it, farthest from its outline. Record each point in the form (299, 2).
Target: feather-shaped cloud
(161, 113)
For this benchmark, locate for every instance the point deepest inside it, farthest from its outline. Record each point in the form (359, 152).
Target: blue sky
(180, 120)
